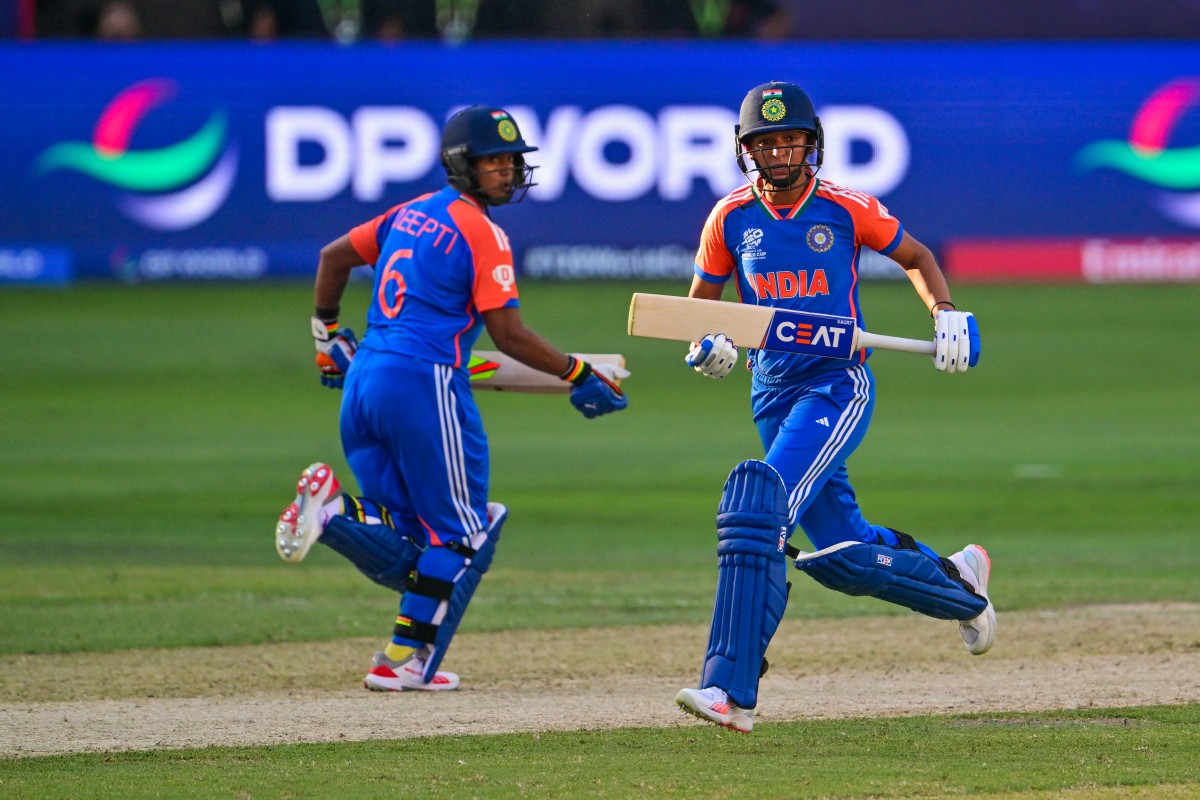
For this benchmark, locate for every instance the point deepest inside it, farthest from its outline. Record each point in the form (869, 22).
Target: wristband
(577, 371)
(327, 314)
(933, 308)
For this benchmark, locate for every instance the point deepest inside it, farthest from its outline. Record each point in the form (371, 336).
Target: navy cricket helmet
(478, 131)
(779, 106)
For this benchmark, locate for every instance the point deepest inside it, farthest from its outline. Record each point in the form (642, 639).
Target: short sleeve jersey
(440, 262)
(803, 258)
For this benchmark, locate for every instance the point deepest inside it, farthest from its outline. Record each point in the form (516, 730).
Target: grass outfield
(153, 434)
(1109, 755)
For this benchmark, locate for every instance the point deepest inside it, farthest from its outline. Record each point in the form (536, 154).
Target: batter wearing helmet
(789, 239)
(410, 428)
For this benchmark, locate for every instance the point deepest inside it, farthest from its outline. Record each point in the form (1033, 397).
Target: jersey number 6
(390, 306)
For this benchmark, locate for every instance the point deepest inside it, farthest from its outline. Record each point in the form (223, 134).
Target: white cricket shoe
(713, 705)
(399, 676)
(975, 567)
(300, 524)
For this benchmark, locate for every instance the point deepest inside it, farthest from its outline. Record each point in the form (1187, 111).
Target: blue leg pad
(906, 577)
(366, 537)
(442, 588)
(752, 526)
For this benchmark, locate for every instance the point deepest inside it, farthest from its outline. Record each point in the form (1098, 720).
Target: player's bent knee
(903, 576)
(368, 540)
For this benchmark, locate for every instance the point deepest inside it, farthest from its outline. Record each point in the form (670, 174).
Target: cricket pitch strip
(579, 679)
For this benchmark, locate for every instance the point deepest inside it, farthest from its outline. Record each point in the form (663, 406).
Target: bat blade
(688, 319)
(493, 371)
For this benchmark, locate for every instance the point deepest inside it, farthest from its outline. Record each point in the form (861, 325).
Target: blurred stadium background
(229, 139)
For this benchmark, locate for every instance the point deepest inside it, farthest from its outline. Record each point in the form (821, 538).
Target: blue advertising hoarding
(238, 160)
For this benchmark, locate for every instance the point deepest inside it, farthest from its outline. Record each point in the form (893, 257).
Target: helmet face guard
(476, 132)
(772, 107)
(462, 175)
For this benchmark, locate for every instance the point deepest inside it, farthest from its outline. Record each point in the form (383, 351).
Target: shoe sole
(380, 684)
(682, 701)
(312, 492)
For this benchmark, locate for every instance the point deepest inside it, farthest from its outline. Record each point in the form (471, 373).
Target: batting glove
(956, 336)
(714, 355)
(593, 392)
(335, 350)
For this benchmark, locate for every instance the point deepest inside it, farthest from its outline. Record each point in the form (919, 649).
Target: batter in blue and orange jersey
(410, 428)
(791, 240)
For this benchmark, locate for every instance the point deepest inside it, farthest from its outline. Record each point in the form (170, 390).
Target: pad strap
(408, 628)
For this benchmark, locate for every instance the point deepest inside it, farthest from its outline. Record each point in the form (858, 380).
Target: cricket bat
(497, 372)
(688, 319)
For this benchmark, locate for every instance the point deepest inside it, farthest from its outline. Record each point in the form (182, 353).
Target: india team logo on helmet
(506, 127)
(773, 108)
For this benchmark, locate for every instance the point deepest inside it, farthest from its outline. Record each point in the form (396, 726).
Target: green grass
(1091, 752)
(152, 434)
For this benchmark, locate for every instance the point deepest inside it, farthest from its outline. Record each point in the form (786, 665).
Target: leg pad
(752, 526)
(907, 577)
(366, 537)
(442, 588)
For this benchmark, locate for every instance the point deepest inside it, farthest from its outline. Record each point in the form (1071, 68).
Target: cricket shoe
(399, 676)
(975, 568)
(713, 705)
(300, 524)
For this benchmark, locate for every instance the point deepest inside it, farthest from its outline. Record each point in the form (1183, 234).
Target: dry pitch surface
(1095, 656)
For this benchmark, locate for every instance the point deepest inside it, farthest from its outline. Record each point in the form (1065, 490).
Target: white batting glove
(714, 355)
(956, 336)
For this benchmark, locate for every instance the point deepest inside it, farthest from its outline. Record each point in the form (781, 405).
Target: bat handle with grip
(880, 342)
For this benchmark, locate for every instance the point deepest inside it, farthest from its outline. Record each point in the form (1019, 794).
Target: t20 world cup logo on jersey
(166, 189)
(1146, 156)
(751, 240)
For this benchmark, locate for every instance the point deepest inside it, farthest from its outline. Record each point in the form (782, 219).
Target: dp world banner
(164, 161)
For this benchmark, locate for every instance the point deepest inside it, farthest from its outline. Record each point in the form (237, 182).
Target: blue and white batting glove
(715, 355)
(593, 392)
(956, 337)
(335, 350)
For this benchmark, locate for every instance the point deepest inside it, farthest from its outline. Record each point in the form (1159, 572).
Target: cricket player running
(790, 240)
(411, 431)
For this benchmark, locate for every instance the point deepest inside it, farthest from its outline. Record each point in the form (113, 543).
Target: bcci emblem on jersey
(820, 238)
(751, 240)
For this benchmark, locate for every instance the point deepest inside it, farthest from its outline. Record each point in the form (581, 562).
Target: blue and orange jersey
(439, 263)
(804, 257)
